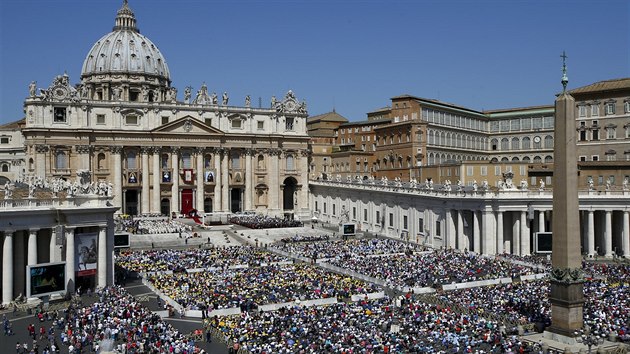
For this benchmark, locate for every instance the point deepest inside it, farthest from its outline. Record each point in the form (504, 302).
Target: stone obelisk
(566, 297)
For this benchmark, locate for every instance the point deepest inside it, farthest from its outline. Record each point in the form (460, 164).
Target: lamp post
(589, 339)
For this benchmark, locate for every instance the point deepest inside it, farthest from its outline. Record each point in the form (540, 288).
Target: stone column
(476, 230)
(19, 261)
(102, 257)
(608, 236)
(274, 183)
(460, 231)
(541, 221)
(516, 235)
(157, 181)
(117, 182)
(225, 176)
(249, 179)
(144, 151)
(70, 259)
(303, 193)
(175, 178)
(52, 246)
(625, 242)
(216, 202)
(488, 243)
(32, 246)
(591, 233)
(7, 267)
(500, 233)
(525, 237)
(200, 179)
(40, 160)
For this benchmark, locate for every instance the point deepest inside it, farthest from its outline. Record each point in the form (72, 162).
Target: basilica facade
(166, 152)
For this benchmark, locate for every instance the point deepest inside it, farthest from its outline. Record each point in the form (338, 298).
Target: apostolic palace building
(124, 140)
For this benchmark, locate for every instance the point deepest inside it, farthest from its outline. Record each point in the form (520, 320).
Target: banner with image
(85, 254)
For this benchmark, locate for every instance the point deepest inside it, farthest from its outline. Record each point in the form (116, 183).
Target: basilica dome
(125, 50)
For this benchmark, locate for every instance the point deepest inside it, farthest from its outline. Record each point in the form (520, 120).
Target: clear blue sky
(350, 55)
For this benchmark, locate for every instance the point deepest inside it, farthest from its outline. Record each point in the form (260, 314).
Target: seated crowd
(347, 249)
(151, 226)
(120, 317)
(263, 221)
(179, 260)
(256, 286)
(431, 269)
(305, 238)
(364, 327)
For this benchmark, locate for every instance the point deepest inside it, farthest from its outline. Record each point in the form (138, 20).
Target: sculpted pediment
(187, 125)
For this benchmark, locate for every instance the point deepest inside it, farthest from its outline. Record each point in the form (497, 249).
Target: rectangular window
(164, 120)
(594, 110)
(612, 179)
(365, 213)
(438, 229)
(523, 170)
(261, 125)
(59, 115)
(497, 170)
(391, 219)
(548, 180)
(469, 170)
(100, 119)
(289, 124)
(582, 111)
(626, 106)
(316, 207)
(334, 209)
(612, 133)
(4, 140)
(354, 213)
(405, 222)
(325, 211)
(236, 124)
(236, 161)
(208, 121)
(378, 217)
(131, 120)
(582, 158)
(484, 170)
(595, 158)
(421, 225)
(595, 134)
(610, 108)
(600, 180)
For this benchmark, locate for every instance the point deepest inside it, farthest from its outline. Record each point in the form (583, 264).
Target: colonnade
(487, 224)
(15, 260)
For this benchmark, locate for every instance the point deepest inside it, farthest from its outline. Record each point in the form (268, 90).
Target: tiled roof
(607, 85)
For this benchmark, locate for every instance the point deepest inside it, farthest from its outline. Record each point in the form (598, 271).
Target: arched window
(290, 164)
(61, 160)
(515, 159)
(261, 162)
(164, 160)
(430, 137)
(505, 144)
(31, 164)
(100, 161)
(548, 142)
(526, 143)
(526, 159)
(494, 144)
(537, 159)
(207, 161)
(505, 159)
(548, 159)
(515, 144)
(131, 159)
(5, 167)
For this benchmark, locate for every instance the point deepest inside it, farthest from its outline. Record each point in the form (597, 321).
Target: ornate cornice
(83, 149)
(42, 148)
(175, 150)
(156, 150)
(199, 151)
(116, 149)
(566, 275)
(145, 150)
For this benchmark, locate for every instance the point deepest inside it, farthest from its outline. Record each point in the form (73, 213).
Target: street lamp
(589, 339)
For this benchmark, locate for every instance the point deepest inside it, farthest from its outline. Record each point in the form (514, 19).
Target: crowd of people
(119, 317)
(192, 258)
(255, 286)
(431, 269)
(151, 226)
(263, 221)
(366, 327)
(344, 249)
(305, 238)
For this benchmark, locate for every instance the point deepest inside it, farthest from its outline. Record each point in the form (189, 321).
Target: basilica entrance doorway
(187, 200)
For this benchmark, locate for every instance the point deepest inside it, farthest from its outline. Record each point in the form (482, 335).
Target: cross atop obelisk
(566, 294)
(565, 79)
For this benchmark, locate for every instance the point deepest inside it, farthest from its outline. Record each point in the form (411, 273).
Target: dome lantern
(125, 19)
